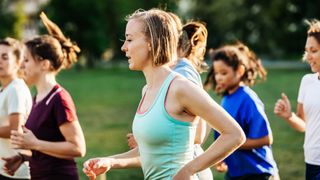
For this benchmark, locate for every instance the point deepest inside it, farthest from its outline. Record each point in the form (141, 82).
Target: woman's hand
(24, 140)
(183, 174)
(221, 167)
(12, 164)
(96, 166)
(282, 107)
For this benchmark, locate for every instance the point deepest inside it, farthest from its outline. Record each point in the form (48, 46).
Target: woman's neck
(45, 84)
(5, 81)
(155, 75)
(234, 88)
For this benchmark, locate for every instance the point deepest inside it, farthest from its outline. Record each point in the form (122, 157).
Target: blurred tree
(97, 25)
(270, 27)
(20, 19)
(12, 18)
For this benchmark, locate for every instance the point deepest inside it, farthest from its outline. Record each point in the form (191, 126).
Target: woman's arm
(257, 143)
(198, 102)
(96, 166)
(201, 132)
(15, 121)
(282, 109)
(73, 146)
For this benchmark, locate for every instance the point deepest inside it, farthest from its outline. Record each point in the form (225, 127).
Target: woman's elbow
(80, 150)
(82, 153)
(239, 137)
(270, 140)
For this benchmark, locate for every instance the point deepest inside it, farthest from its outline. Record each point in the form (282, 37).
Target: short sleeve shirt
(309, 97)
(45, 118)
(15, 98)
(248, 110)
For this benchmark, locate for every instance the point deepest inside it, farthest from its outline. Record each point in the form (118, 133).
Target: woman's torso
(248, 110)
(15, 98)
(45, 118)
(185, 68)
(165, 144)
(309, 97)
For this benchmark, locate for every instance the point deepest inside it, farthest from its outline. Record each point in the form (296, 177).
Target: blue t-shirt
(248, 110)
(185, 68)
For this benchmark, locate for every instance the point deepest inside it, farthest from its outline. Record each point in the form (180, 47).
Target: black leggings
(263, 176)
(312, 172)
(7, 178)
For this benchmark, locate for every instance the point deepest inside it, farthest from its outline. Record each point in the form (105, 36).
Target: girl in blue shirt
(234, 69)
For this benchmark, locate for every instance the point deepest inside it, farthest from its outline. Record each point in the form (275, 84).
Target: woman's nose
(309, 57)
(22, 66)
(218, 78)
(124, 47)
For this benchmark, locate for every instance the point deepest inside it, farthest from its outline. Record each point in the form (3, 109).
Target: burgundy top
(44, 120)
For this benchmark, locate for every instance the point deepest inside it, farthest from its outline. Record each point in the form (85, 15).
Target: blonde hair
(314, 26)
(177, 21)
(160, 29)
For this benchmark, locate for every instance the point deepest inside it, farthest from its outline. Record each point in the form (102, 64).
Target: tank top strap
(165, 87)
(159, 100)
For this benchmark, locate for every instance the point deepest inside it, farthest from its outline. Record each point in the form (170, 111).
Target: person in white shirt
(307, 117)
(15, 103)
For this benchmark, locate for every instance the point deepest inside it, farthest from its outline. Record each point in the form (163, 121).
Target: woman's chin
(132, 68)
(314, 70)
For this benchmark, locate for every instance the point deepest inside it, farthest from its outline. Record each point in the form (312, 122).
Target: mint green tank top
(165, 144)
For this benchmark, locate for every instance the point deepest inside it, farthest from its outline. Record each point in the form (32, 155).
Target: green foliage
(12, 20)
(20, 20)
(270, 27)
(97, 25)
(6, 20)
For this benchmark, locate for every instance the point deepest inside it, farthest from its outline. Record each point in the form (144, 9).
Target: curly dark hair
(235, 55)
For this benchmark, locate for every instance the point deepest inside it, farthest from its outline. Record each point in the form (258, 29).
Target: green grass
(106, 101)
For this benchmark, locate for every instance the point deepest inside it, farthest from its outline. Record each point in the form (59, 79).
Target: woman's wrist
(289, 118)
(190, 169)
(21, 157)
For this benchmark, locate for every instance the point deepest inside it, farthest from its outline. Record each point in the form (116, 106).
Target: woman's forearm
(5, 132)
(126, 160)
(256, 143)
(296, 122)
(64, 150)
(219, 150)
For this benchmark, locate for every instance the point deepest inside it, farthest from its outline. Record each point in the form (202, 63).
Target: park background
(106, 93)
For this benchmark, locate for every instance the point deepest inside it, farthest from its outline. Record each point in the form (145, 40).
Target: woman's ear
(240, 71)
(45, 65)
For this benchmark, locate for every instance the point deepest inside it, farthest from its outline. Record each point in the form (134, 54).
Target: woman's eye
(4, 56)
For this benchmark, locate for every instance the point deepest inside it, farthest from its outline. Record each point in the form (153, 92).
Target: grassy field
(106, 101)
